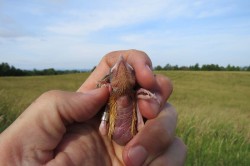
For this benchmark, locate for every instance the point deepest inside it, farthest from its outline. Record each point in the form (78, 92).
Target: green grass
(214, 116)
(213, 109)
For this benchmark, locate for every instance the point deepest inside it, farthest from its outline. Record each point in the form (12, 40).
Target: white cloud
(119, 14)
(83, 21)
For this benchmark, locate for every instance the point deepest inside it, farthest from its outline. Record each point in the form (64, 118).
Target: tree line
(207, 67)
(7, 70)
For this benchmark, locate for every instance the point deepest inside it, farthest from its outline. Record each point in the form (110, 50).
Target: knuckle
(51, 95)
(164, 86)
(163, 80)
(110, 58)
(134, 51)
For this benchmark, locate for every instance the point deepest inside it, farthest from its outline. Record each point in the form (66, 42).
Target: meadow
(213, 109)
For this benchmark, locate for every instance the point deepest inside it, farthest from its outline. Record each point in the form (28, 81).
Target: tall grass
(214, 116)
(213, 108)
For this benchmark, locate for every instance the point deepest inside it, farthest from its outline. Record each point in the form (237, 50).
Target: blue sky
(66, 34)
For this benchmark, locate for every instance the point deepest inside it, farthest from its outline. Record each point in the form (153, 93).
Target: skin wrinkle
(37, 155)
(51, 97)
(76, 139)
(88, 148)
(33, 152)
(58, 160)
(68, 117)
(48, 121)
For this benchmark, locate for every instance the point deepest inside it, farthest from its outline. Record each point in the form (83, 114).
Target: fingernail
(137, 155)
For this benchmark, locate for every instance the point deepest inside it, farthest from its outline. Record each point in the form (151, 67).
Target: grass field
(213, 108)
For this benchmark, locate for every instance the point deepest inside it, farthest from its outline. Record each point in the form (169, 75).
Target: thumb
(77, 106)
(85, 105)
(59, 107)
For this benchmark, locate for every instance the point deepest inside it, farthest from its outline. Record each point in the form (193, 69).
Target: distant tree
(175, 67)
(211, 67)
(229, 67)
(49, 71)
(4, 69)
(222, 68)
(195, 67)
(158, 67)
(184, 68)
(247, 68)
(167, 67)
(7, 70)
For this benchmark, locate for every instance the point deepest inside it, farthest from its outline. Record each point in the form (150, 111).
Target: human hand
(156, 143)
(61, 128)
(56, 130)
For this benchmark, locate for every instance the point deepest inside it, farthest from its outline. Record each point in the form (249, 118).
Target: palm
(82, 144)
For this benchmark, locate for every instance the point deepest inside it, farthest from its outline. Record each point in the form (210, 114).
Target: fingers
(175, 155)
(153, 139)
(137, 59)
(162, 89)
